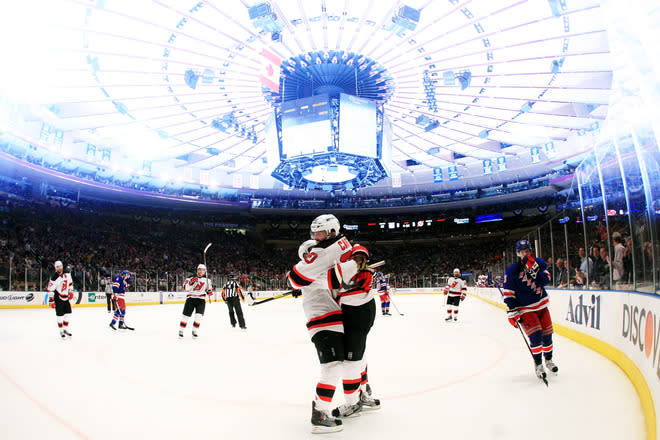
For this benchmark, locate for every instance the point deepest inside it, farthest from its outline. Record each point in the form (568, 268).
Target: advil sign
(586, 314)
(640, 326)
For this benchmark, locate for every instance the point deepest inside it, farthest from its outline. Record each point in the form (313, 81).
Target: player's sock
(196, 323)
(182, 325)
(455, 314)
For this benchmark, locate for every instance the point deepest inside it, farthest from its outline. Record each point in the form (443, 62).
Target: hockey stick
(395, 307)
(282, 295)
(522, 333)
(545, 381)
(207, 270)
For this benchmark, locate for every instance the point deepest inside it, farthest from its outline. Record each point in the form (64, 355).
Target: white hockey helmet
(201, 266)
(325, 222)
(457, 272)
(57, 264)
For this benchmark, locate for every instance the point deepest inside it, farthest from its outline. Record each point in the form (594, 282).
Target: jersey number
(310, 257)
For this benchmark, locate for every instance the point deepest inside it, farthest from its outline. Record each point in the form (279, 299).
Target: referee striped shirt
(231, 288)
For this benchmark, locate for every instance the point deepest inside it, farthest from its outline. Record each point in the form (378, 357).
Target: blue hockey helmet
(522, 245)
(125, 272)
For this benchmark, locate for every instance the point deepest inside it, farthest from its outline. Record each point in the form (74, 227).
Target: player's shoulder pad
(541, 262)
(54, 276)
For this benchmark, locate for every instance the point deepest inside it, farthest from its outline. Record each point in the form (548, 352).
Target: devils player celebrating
(119, 291)
(527, 300)
(197, 287)
(324, 316)
(358, 306)
(455, 291)
(384, 293)
(60, 291)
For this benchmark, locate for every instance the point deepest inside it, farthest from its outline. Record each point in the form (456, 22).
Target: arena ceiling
(471, 80)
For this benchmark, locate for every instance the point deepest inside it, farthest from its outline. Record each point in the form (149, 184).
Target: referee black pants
(234, 303)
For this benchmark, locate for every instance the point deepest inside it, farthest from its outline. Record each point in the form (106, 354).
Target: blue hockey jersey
(119, 286)
(522, 292)
(381, 283)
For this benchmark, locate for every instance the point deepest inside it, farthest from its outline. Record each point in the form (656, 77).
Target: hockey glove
(296, 293)
(51, 302)
(194, 281)
(462, 297)
(70, 295)
(531, 267)
(513, 317)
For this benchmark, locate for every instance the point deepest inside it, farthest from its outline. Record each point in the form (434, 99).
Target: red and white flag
(270, 70)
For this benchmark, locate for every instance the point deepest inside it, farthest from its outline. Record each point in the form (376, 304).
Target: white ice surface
(472, 379)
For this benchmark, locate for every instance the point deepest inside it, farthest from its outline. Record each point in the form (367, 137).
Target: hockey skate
(369, 403)
(346, 411)
(551, 365)
(62, 334)
(448, 318)
(323, 423)
(123, 326)
(540, 372)
(112, 326)
(66, 332)
(180, 334)
(194, 334)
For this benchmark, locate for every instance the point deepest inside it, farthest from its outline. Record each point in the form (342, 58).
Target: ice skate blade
(317, 429)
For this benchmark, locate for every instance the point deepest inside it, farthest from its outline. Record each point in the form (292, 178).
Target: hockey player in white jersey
(323, 313)
(60, 293)
(197, 289)
(353, 279)
(456, 290)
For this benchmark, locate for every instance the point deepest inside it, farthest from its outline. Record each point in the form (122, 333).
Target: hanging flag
(270, 70)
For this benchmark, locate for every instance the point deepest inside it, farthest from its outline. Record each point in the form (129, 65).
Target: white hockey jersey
(456, 286)
(354, 286)
(199, 288)
(60, 284)
(312, 276)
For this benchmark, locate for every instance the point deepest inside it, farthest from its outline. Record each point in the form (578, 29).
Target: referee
(232, 295)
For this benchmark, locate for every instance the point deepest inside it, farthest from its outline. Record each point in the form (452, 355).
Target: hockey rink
(472, 379)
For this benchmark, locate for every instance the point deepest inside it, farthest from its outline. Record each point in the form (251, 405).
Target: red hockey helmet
(358, 249)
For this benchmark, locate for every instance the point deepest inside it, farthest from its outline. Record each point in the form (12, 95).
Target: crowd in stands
(97, 239)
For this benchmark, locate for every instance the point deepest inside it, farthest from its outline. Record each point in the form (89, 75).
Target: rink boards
(31, 299)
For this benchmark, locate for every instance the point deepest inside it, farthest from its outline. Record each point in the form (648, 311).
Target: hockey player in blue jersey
(383, 292)
(119, 291)
(527, 300)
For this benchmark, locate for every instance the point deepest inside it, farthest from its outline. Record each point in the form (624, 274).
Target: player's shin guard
(198, 320)
(352, 378)
(325, 389)
(184, 321)
(547, 346)
(364, 378)
(536, 347)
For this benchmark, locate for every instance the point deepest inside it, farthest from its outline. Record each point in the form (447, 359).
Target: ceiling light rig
(332, 133)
